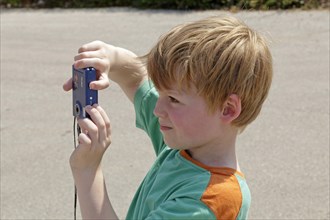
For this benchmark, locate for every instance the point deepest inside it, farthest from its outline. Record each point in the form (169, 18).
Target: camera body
(82, 95)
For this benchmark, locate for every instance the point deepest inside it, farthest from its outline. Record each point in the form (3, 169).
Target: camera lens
(77, 109)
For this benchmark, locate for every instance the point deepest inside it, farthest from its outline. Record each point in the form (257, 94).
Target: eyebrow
(174, 91)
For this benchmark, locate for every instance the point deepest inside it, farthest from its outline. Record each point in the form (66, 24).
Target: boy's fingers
(88, 62)
(87, 54)
(105, 118)
(98, 63)
(88, 126)
(95, 45)
(67, 86)
(99, 122)
(84, 139)
(100, 84)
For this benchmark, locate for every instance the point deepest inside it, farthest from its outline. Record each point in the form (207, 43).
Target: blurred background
(172, 4)
(284, 154)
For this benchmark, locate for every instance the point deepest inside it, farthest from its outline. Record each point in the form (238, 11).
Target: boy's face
(185, 121)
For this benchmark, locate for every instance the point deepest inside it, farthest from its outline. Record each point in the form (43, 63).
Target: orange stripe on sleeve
(223, 196)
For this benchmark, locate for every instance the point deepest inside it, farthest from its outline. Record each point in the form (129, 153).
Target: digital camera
(82, 95)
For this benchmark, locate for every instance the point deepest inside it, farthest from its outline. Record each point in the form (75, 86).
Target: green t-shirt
(179, 187)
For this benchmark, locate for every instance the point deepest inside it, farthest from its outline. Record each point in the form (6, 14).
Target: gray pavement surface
(284, 153)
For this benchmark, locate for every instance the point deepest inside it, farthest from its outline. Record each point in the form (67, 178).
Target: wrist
(86, 175)
(126, 68)
(92, 194)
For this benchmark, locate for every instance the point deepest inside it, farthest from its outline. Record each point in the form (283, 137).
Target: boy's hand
(94, 139)
(95, 54)
(117, 64)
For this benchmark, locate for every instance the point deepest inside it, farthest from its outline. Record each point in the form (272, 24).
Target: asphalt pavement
(284, 153)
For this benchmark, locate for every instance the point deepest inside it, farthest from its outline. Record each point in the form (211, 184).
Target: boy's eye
(173, 99)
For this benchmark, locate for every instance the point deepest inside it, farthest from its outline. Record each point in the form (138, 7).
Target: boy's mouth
(164, 128)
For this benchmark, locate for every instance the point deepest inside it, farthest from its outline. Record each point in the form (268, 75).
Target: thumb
(67, 86)
(101, 83)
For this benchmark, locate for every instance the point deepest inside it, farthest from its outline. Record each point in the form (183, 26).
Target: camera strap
(75, 132)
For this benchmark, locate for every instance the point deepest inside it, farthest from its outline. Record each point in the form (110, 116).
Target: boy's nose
(159, 110)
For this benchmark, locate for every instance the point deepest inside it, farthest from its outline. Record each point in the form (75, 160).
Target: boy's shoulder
(227, 193)
(176, 186)
(223, 190)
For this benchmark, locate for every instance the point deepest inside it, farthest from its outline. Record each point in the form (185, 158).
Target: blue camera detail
(82, 95)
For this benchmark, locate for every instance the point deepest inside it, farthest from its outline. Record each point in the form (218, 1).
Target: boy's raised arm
(120, 65)
(85, 163)
(92, 194)
(127, 70)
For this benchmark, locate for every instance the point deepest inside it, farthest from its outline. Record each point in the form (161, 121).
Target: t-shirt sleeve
(182, 208)
(144, 102)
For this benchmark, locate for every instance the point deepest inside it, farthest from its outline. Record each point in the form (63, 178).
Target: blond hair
(220, 57)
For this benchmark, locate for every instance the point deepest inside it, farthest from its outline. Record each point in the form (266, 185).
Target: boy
(201, 85)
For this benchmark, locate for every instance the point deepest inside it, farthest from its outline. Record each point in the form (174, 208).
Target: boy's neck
(218, 155)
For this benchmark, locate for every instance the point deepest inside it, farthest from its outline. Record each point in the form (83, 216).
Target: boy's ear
(231, 109)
